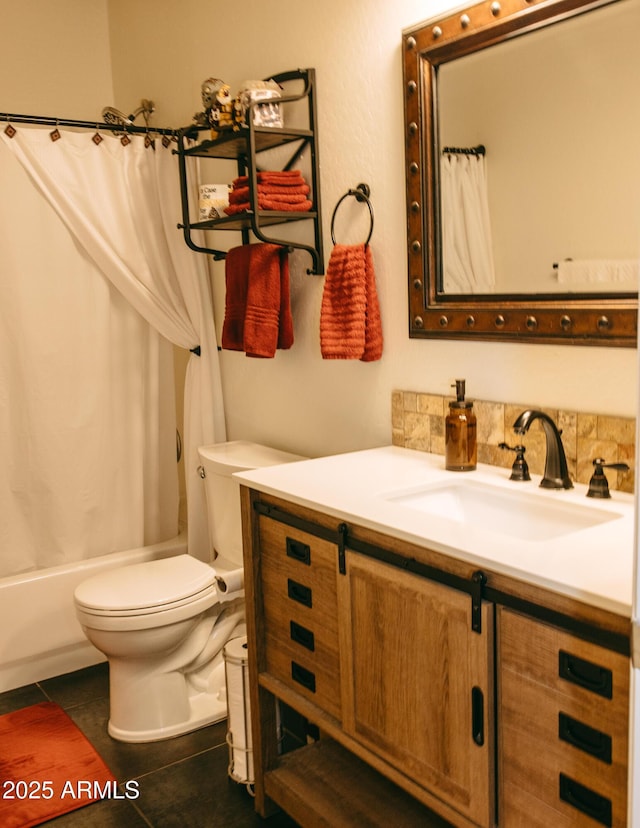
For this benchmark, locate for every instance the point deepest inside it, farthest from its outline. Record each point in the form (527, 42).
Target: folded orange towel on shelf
(279, 175)
(277, 190)
(257, 304)
(350, 322)
(265, 203)
(272, 190)
(281, 178)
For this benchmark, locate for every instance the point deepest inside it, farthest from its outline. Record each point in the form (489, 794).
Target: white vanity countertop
(594, 565)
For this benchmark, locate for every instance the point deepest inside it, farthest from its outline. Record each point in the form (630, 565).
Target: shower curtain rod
(44, 120)
(479, 150)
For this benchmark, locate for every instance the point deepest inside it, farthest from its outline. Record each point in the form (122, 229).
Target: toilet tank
(219, 462)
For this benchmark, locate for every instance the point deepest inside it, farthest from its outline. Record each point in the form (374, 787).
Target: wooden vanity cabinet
(563, 727)
(432, 694)
(383, 663)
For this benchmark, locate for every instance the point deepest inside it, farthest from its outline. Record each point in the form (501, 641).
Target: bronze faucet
(556, 474)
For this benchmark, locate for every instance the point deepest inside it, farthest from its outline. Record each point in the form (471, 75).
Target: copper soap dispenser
(461, 448)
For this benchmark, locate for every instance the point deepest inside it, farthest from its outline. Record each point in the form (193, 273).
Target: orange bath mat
(47, 767)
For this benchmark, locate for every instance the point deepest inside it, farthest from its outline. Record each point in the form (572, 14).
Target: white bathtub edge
(41, 636)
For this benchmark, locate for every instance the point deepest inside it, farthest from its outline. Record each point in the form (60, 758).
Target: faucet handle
(520, 469)
(599, 485)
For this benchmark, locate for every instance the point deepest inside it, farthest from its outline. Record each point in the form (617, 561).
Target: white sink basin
(526, 516)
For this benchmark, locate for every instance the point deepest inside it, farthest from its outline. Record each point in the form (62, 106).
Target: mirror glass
(555, 113)
(523, 172)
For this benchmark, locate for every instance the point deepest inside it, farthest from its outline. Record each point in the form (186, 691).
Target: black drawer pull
(299, 592)
(299, 551)
(585, 738)
(584, 799)
(301, 635)
(477, 716)
(586, 674)
(303, 676)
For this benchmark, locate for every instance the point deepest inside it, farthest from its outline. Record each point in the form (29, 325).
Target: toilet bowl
(163, 624)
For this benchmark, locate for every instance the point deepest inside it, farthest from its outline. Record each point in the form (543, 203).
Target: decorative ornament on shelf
(266, 113)
(220, 111)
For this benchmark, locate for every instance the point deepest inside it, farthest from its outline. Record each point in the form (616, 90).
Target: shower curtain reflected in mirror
(467, 252)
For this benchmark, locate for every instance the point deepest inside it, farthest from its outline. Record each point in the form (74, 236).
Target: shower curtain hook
(9, 130)
(55, 132)
(97, 138)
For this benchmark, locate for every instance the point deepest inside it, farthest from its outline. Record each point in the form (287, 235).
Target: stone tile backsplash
(418, 423)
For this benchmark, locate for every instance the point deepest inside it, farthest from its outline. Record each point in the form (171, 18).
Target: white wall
(163, 50)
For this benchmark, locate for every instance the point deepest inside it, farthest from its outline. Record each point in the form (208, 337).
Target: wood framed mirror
(542, 96)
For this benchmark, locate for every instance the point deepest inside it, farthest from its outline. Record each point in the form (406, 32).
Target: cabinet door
(417, 681)
(563, 724)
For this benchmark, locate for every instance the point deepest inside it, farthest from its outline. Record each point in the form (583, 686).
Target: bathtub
(40, 636)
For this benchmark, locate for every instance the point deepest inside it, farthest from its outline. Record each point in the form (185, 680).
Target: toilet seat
(147, 588)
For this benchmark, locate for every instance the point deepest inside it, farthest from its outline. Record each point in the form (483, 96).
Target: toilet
(163, 624)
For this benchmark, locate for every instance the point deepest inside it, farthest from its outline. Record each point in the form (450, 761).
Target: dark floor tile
(129, 761)
(181, 782)
(197, 793)
(79, 687)
(21, 697)
(105, 814)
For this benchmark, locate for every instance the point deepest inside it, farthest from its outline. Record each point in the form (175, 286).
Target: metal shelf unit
(244, 146)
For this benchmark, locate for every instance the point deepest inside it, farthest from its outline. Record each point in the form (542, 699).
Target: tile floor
(183, 782)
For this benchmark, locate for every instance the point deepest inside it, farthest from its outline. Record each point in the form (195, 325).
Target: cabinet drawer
(563, 707)
(300, 612)
(291, 555)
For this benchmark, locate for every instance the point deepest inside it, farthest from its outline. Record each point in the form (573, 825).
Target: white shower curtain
(466, 227)
(121, 205)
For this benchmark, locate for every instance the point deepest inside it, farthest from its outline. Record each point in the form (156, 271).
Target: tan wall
(55, 58)
(298, 401)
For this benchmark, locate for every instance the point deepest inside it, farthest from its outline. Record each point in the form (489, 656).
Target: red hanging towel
(257, 304)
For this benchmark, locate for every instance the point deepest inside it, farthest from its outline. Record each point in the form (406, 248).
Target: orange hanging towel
(257, 303)
(350, 323)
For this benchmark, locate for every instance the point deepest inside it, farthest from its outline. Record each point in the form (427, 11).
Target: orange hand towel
(350, 322)
(257, 305)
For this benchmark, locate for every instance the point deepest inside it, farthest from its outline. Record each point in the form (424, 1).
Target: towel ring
(361, 193)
